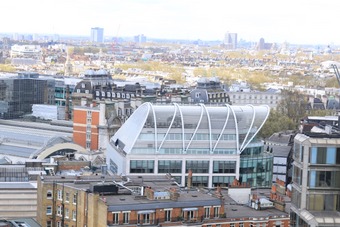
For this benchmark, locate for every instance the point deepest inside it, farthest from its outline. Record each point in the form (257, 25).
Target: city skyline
(299, 22)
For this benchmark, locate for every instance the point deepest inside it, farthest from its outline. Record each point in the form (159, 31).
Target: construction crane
(336, 71)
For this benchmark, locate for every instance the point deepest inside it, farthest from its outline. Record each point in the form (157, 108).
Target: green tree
(293, 105)
(276, 122)
(6, 68)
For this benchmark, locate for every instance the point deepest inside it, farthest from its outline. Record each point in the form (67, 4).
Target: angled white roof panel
(217, 120)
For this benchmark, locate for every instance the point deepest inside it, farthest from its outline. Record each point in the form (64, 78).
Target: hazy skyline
(294, 21)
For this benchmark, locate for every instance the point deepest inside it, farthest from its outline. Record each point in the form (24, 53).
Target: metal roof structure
(243, 122)
(20, 142)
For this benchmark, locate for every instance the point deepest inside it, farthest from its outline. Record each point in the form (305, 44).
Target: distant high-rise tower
(261, 44)
(140, 38)
(97, 35)
(230, 40)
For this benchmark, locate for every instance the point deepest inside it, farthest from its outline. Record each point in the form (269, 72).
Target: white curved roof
(243, 122)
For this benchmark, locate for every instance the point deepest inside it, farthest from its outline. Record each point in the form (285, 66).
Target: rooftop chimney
(189, 179)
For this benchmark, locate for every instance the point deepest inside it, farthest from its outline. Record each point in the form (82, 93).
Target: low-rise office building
(218, 143)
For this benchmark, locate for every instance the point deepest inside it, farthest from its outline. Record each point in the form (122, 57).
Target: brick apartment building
(85, 127)
(100, 201)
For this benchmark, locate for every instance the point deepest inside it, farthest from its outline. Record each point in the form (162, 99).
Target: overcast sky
(294, 21)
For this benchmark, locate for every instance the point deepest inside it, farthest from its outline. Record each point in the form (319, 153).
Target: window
(240, 225)
(324, 179)
(115, 220)
(48, 210)
(222, 180)
(113, 166)
(323, 202)
(60, 194)
(66, 213)
(167, 214)
(207, 212)
(49, 195)
(189, 215)
(59, 224)
(297, 175)
(126, 217)
(49, 224)
(146, 218)
(198, 181)
(169, 166)
(296, 197)
(67, 197)
(323, 155)
(232, 225)
(74, 198)
(224, 167)
(141, 166)
(74, 215)
(197, 166)
(216, 212)
(59, 210)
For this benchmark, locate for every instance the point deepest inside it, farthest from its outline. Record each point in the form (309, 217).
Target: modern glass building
(18, 94)
(316, 180)
(256, 166)
(208, 140)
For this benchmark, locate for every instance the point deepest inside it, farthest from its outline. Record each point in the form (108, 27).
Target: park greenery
(7, 68)
(173, 72)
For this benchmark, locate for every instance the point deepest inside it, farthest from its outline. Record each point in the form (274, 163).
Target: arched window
(49, 194)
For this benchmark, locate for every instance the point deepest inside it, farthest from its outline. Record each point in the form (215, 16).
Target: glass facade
(224, 167)
(169, 166)
(19, 94)
(198, 181)
(222, 181)
(197, 166)
(141, 166)
(256, 167)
